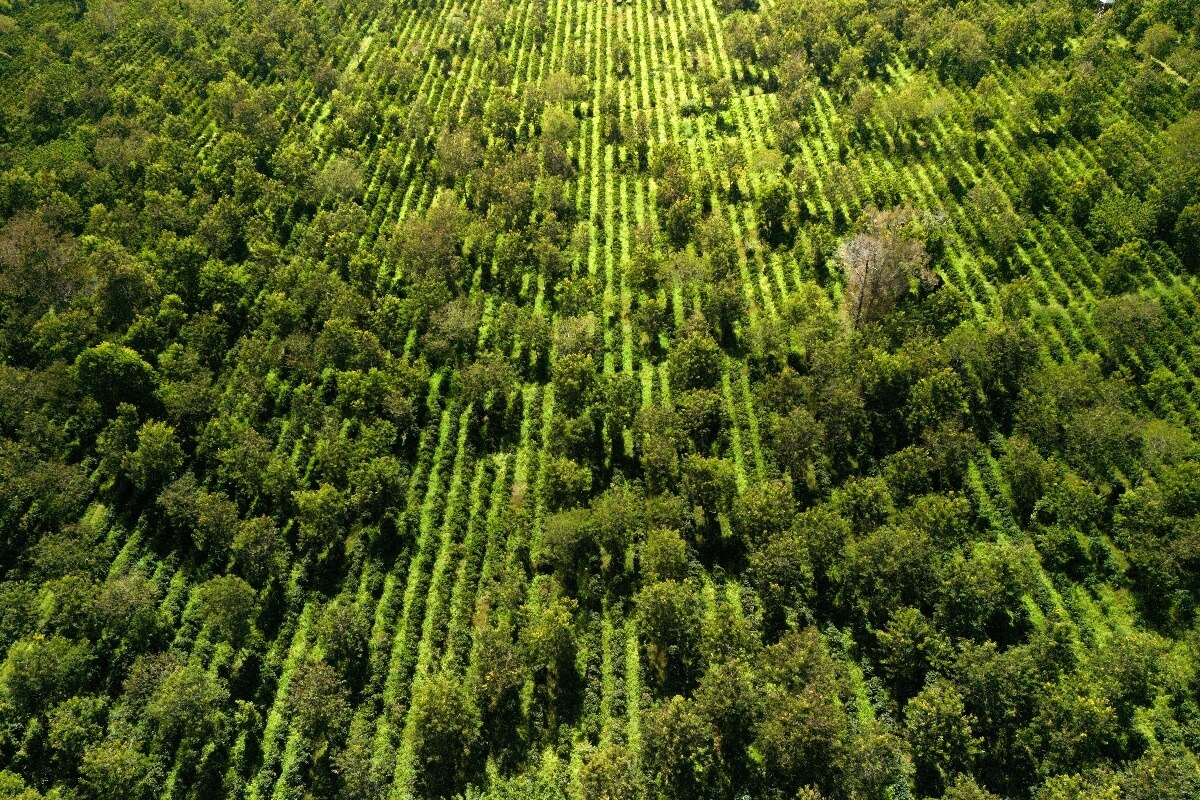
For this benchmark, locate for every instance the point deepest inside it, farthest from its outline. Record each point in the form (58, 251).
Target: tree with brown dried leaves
(879, 263)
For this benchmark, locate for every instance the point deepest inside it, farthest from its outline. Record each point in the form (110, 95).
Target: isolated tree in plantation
(782, 574)
(574, 378)
(709, 484)
(795, 438)
(158, 457)
(999, 224)
(321, 514)
(566, 482)
(40, 671)
(447, 723)
(678, 749)
(763, 511)
(695, 363)
(909, 647)
(340, 179)
(669, 617)
(1180, 179)
(72, 727)
(777, 218)
(114, 374)
(186, 712)
(38, 267)
(1187, 237)
(663, 556)
(611, 773)
(115, 770)
(879, 263)
(259, 549)
(547, 638)
(225, 608)
(939, 729)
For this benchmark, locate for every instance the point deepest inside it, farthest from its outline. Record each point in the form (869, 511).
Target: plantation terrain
(599, 399)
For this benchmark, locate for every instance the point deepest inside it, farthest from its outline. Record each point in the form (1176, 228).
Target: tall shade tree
(879, 264)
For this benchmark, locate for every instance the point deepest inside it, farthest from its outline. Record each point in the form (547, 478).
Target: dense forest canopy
(599, 399)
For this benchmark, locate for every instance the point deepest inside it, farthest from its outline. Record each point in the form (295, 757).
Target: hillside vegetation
(599, 399)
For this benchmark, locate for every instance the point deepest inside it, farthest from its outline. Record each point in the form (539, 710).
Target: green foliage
(548, 639)
(114, 374)
(796, 441)
(511, 400)
(782, 574)
(566, 483)
(158, 458)
(710, 484)
(982, 595)
(610, 774)
(775, 211)
(321, 513)
(259, 549)
(186, 711)
(209, 519)
(763, 512)
(678, 749)
(663, 556)
(225, 608)
(939, 730)
(39, 672)
(668, 615)
(317, 699)
(113, 770)
(126, 617)
(447, 723)
(574, 382)
(695, 363)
